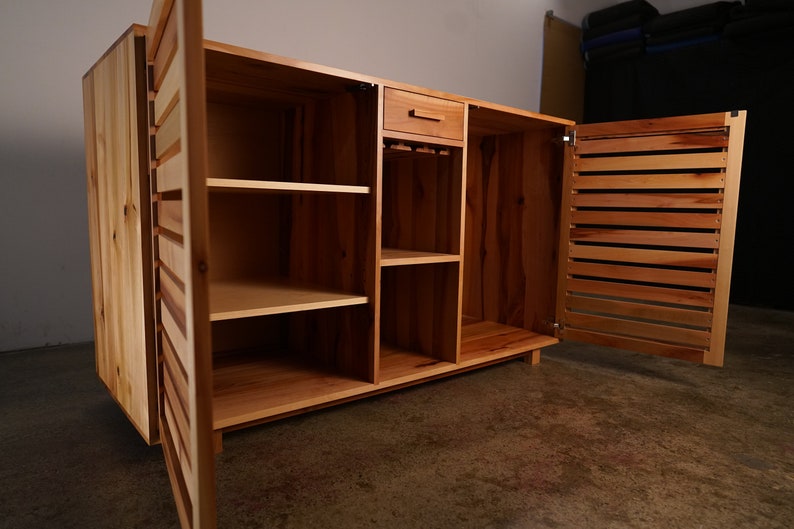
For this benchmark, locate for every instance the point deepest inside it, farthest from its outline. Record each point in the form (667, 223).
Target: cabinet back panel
(245, 142)
(245, 235)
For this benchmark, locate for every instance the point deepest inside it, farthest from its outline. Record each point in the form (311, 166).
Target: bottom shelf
(254, 386)
(484, 342)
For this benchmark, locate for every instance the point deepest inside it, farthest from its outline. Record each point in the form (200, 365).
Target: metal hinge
(570, 138)
(553, 324)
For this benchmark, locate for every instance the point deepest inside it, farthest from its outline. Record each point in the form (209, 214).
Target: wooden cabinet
(270, 236)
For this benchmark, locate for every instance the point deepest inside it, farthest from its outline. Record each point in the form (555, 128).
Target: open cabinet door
(648, 222)
(179, 167)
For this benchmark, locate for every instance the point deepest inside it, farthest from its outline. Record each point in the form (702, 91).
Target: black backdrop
(756, 74)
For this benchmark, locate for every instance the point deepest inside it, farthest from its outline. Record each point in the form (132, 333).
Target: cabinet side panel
(118, 207)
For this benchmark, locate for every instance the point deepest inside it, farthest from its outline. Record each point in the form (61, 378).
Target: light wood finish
(644, 249)
(320, 236)
(180, 227)
(118, 192)
(421, 114)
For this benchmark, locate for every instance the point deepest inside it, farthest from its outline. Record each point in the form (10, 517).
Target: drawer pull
(422, 114)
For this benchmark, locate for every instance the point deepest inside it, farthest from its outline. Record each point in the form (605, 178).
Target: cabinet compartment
(270, 366)
(513, 190)
(269, 124)
(419, 325)
(421, 200)
(306, 249)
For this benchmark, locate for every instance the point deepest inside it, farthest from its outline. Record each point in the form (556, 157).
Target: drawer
(420, 114)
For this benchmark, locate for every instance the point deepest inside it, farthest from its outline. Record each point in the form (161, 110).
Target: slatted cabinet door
(179, 171)
(649, 215)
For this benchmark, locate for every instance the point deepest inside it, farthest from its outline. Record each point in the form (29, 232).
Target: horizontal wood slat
(166, 47)
(172, 255)
(685, 239)
(637, 329)
(643, 256)
(623, 129)
(169, 215)
(175, 455)
(662, 142)
(642, 293)
(708, 160)
(170, 173)
(180, 435)
(650, 181)
(658, 219)
(643, 274)
(648, 200)
(166, 98)
(641, 311)
(681, 352)
(173, 295)
(167, 137)
(172, 332)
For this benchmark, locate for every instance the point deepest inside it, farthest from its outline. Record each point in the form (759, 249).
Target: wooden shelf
(484, 342)
(271, 186)
(398, 257)
(254, 386)
(233, 299)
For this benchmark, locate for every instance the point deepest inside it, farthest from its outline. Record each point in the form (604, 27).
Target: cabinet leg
(532, 357)
(217, 441)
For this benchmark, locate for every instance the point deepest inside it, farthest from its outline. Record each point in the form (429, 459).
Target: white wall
(489, 49)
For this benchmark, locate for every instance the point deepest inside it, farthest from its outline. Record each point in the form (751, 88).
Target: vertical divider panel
(179, 165)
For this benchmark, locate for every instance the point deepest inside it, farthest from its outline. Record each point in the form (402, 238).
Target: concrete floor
(589, 438)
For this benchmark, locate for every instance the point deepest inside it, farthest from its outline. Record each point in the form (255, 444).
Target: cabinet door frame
(180, 231)
(648, 220)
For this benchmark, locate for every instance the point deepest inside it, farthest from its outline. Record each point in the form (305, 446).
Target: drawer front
(421, 114)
